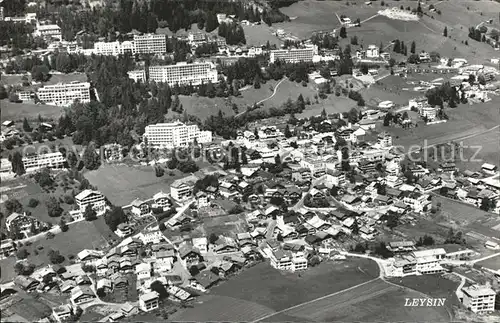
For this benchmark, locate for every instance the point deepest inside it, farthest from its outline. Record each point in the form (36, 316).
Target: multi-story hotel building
(479, 299)
(48, 31)
(39, 161)
(150, 44)
(293, 55)
(183, 73)
(175, 134)
(93, 198)
(114, 48)
(64, 94)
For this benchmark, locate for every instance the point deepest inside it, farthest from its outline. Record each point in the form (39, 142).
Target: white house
(149, 301)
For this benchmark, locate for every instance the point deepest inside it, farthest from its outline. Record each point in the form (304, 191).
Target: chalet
(312, 239)
(123, 230)
(67, 286)
(201, 244)
(223, 268)
(178, 293)
(105, 284)
(7, 247)
(88, 256)
(27, 284)
(305, 229)
(22, 222)
(207, 279)
(140, 208)
(129, 309)
(383, 200)
(338, 214)
(316, 194)
(228, 190)
(489, 168)
(190, 255)
(225, 245)
(448, 167)
(350, 199)
(82, 294)
(62, 313)
(250, 253)
(271, 211)
(119, 281)
(401, 246)
(162, 201)
(143, 271)
(83, 280)
(245, 239)
(95, 199)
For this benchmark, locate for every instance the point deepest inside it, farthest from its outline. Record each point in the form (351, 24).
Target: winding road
(264, 100)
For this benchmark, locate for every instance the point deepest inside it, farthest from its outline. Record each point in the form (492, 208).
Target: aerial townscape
(250, 161)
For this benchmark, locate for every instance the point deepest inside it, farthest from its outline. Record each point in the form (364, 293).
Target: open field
(17, 111)
(492, 263)
(367, 303)
(259, 35)
(484, 149)
(435, 286)
(459, 213)
(261, 290)
(38, 147)
(66, 78)
(310, 16)
(224, 224)
(122, 184)
(7, 272)
(81, 235)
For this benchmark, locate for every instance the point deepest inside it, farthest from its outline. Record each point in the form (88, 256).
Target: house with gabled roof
(81, 295)
(140, 208)
(162, 201)
(95, 199)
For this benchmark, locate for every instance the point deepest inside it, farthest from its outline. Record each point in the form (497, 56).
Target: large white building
(175, 134)
(150, 44)
(293, 55)
(183, 73)
(372, 51)
(93, 198)
(48, 31)
(114, 48)
(65, 94)
(479, 299)
(39, 161)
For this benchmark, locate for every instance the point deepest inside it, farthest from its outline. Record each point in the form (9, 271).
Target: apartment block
(93, 198)
(39, 161)
(183, 73)
(175, 134)
(64, 94)
(479, 299)
(293, 55)
(150, 44)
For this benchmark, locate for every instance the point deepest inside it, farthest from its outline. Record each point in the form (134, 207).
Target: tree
(159, 171)
(53, 207)
(3, 92)
(392, 220)
(90, 214)
(33, 202)
(212, 238)
(158, 287)
(62, 224)
(445, 32)
(288, 133)
(13, 205)
(487, 204)
(115, 217)
(40, 73)
(381, 250)
(256, 82)
(413, 47)
(24, 268)
(14, 98)
(55, 257)
(26, 125)
(343, 32)
(22, 253)
(90, 158)
(17, 163)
